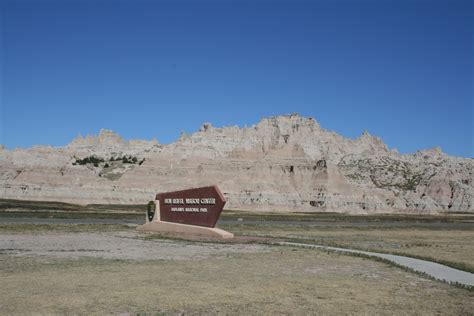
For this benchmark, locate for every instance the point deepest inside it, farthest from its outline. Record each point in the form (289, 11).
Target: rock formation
(282, 163)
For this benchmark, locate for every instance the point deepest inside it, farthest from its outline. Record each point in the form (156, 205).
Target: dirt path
(435, 270)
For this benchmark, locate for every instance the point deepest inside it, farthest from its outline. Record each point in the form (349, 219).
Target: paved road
(436, 270)
(52, 221)
(362, 224)
(134, 221)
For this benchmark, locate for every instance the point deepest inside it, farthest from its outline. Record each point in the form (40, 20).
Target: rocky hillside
(281, 163)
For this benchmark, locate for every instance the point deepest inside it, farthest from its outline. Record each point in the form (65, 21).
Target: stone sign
(201, 206)
(192, 211)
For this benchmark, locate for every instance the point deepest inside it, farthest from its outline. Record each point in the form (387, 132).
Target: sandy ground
(115, 245)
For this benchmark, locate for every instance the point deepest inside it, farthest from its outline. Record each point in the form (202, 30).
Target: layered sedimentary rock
(282, 163)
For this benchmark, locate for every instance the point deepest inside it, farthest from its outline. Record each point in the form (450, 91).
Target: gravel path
(436, 270)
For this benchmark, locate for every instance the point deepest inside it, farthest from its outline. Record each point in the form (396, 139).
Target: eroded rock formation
(281, 163)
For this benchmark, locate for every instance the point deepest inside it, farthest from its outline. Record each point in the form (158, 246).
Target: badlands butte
(283, 163)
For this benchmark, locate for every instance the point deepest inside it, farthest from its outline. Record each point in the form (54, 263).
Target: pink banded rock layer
(282, 163)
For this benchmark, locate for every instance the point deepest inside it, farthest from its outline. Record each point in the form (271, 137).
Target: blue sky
(402, 69)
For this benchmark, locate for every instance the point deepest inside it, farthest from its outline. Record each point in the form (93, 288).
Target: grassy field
(447, 238)
(279, 281)
(451, 246)
(328, 217)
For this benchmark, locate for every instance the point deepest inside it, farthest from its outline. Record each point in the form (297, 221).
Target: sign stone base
(168, 227)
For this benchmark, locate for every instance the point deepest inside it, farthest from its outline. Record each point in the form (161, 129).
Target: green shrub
(95, 161)
(89, 160)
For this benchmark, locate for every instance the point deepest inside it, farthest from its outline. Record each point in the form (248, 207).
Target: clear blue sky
(401, 69)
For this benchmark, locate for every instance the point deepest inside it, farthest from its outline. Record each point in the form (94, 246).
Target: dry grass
(451, 246)
(283, 281)
(280, 281)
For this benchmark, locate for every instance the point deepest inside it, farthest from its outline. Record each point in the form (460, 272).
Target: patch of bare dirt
(116, 245)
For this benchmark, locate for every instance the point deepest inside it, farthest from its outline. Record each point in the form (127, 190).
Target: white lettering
(208, 201)
(192, 201)
(192, 209)
(177, 209)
